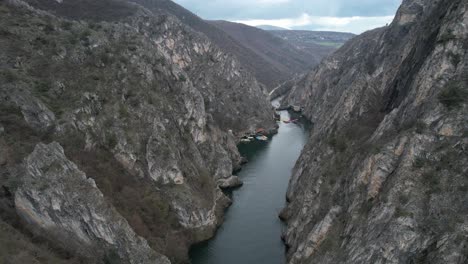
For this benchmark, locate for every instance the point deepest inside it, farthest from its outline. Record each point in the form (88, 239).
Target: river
(251, 231)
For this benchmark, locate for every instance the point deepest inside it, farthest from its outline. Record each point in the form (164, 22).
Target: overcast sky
(354, 16)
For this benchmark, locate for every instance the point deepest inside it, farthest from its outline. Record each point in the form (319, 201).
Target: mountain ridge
(382, 178)
(116, 132)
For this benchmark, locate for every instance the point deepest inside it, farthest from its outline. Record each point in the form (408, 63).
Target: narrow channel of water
(251, 231)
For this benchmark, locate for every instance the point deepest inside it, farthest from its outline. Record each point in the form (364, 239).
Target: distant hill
(286, 58)
(269, 27)
(308, 40)
(270, 59)
(264, 71)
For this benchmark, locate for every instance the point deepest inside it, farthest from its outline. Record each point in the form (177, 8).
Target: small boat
(246, 139)
(295, 121)
(262, 138)
(286, 121)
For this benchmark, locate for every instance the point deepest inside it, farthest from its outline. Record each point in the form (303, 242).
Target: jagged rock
(34, 111)
(231, 182)
(139, 100)
(386, 145)
(59, 202)
(244, 160)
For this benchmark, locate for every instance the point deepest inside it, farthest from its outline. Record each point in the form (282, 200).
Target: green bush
(446, 37)
(42, 87)
(453, 95)
(123, 111)
(433, 182)
(420, 127)
(85, 34)
(401, 212)
(337, 143)
(49, 28)
(72, 39)
(112, 257)
(456, 58)
(182, 78)
(67, 25)
(465, 133)
(111, 141)
(403, 199)
(9, 75)
(419, 162)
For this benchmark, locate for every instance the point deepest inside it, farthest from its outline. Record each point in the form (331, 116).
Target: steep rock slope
(265, 67)
(383, 178)
(283, 55)
(147, 112)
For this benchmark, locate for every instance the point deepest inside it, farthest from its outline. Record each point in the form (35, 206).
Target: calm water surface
(251, 231)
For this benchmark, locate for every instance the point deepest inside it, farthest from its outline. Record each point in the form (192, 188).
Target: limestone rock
(58, 201)
(139, 100)
(387, 145)
(231, 182)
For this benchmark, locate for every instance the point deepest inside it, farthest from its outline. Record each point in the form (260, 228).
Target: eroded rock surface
(59, 201)
(388, 145)
(142, 104)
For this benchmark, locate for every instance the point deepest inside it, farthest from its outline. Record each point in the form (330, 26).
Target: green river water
(251, 231)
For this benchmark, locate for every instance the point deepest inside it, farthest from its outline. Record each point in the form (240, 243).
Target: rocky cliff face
(287, 58)
(265, 69)
(383, 178)
(147, 112)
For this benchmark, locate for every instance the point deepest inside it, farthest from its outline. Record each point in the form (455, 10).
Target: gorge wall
(383, 178)
(117, 125)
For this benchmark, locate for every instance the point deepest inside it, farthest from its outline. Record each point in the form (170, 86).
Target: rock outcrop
(143, 105)
(383, 178)
(59, 201)
(267, 67)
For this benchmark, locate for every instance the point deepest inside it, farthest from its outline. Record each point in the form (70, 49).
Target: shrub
(419, 162)
(49, 28)
(432, 181)
(132, 47)
(106, 58)
(465, 133)
(420, 127)
(72, 39)
(456, 58)
(446, 37)
(403, 199)
(182, 78)
(453, 95)
(401, 212)
(123, 111)
(337, 143)
(449, 161)
(85, 34)
(111, 141)
(9, 75)
(67, 25)
(94, 25)
(42, 86)
(206, 181)
(112, 257)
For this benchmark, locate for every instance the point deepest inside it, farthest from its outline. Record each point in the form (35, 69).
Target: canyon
(120, 124)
